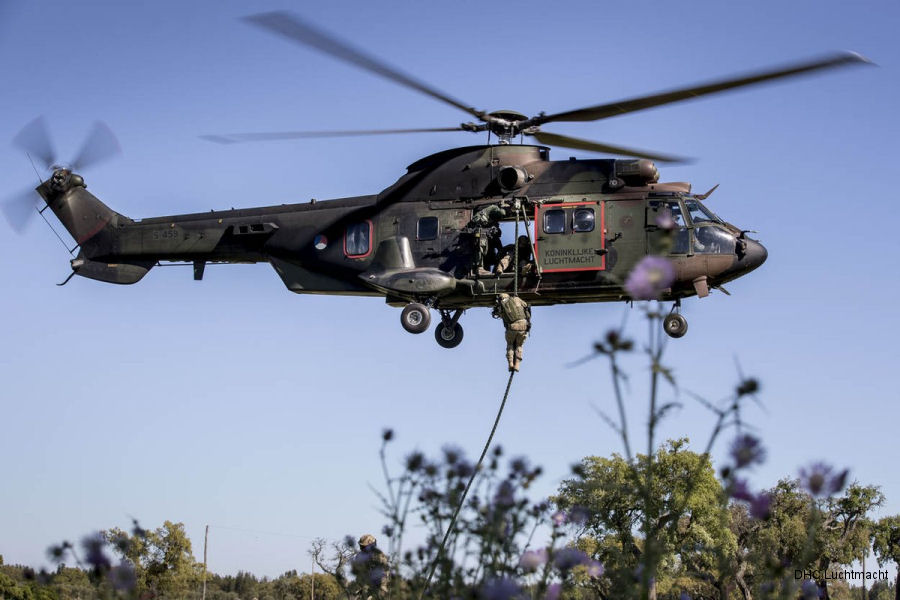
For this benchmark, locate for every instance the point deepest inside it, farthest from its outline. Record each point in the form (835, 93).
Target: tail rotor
(99, 146)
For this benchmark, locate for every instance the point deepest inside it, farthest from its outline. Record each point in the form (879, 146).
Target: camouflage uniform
(487, 233)
(371, 568)
(516, 315)
(508, 255)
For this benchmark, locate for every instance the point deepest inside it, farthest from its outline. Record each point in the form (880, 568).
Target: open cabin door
(570, 237)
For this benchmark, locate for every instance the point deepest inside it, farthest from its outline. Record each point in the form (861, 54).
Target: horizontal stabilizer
(122, 273)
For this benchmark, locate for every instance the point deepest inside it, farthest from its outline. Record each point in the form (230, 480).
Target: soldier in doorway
(508, 255)
(371, 568)
(516, 315)
(487, 237)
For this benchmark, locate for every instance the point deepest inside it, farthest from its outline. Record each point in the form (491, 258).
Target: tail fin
(89, 221)
(95, 228)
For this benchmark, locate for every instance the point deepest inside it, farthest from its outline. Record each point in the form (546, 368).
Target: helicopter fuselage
(588, 223)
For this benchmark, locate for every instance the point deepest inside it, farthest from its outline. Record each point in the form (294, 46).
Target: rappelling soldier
(371, 568)
(516, 315)
(487, 237)
(508, 255)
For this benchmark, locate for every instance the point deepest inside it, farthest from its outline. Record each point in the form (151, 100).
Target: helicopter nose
(750, 257)
(755, 255)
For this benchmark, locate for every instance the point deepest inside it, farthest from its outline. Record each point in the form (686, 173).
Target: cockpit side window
(658, 215)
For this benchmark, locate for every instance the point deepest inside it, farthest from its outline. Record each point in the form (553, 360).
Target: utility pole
(312, 580)
(205, 540)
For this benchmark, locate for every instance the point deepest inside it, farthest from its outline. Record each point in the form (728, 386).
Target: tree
(844, 527)
(886, 544)
(163, 561)
(667, 515)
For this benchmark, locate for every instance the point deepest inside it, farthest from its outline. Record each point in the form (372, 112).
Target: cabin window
(427, 228)
(358, 240)
(555, 221)
(583, 220)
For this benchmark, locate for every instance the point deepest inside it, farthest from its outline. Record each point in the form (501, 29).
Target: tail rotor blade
(35, 140)
(19, 209)
(100, 146)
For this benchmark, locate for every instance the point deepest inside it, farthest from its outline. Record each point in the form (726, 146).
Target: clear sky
(235, 403)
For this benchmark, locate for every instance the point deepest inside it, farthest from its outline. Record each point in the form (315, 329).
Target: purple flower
(505, 496)
(595, 569)
(684, 596)
(579, 515)
(532, 559)
(559, 518)
(739, 491)
(94, 552)
(649, 278)
(760, 505)
(747, 450)
(665, 220)
(819, 479)
(501, 588)
(553, 591)
(568, 558)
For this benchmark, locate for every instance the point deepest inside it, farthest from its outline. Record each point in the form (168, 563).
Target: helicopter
(432, 240)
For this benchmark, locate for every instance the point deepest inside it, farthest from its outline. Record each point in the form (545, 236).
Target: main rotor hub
(505, 124)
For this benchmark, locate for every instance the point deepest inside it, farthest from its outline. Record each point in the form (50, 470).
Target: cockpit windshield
(699, 213)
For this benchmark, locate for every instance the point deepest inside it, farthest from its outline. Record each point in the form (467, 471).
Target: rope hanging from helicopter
(520, 212)
(462, 499)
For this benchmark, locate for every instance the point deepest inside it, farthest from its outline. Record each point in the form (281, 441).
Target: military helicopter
(430, 240)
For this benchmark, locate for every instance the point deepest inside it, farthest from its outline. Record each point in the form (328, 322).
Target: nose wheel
(674, 323)
(449, 333)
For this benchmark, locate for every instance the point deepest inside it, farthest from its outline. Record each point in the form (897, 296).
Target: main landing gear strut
(674, 323)
(416, 318)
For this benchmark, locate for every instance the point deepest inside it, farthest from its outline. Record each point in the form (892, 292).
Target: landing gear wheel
(675, 325)
(415, 318)
(448, 335)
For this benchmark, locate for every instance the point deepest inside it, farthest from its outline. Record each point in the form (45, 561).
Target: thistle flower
(568, 558)
(553, 591)
(665, 220)
(559, 518)
(649, 278)
(819, 479)
(532, 559)
(578, 515)
(501, 588)
(387, 434)
(747, 450)
(760, 505)
(94, 546)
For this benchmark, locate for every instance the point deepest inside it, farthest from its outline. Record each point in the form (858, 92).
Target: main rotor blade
(19, 209)
(564, 141)
(613, 109)
(99, 146)
(234, 138)
(35, 140)
(291, 27)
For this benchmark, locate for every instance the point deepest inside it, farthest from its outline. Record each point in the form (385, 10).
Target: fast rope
(462, 500)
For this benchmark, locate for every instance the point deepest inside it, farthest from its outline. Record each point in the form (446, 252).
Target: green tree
(163, 561)
(844, 528)
(886, 545)
(674, 500)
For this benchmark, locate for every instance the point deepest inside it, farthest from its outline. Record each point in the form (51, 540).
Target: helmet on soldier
(504, 296)
(366, 540)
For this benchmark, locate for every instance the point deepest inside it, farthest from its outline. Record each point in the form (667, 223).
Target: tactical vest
(513, 309)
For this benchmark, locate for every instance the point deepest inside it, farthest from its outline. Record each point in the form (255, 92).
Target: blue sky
(235, 403)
